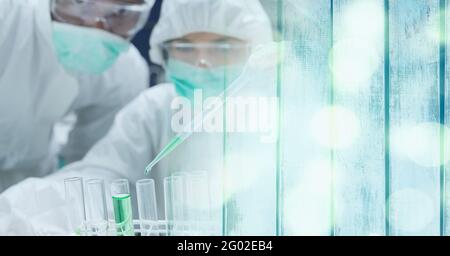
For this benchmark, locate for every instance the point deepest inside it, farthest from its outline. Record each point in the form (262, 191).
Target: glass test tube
(74, 197)
(197, 203)
(123, 213)
(96, 209)
(174, 204)
(146, 197)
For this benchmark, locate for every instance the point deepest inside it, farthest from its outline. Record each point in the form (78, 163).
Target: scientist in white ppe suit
(202, 45)
(61, 57)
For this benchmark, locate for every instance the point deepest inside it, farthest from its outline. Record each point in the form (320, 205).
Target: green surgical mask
(213, 81)
(86, 50)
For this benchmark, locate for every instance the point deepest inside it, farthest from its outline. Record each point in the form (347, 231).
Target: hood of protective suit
(242, 19)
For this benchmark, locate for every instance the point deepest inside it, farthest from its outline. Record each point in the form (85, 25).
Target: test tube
(197, 203)
(96, 209)
(146, 197)
(123, 213)
(174, 204)
(74, 197)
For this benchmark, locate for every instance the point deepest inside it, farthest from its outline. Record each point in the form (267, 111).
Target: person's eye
(117, 14)
(120, 12)
(80, 2)
(185, 49)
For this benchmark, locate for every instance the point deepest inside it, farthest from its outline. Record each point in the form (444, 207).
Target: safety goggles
(208, 55)
(120, 17)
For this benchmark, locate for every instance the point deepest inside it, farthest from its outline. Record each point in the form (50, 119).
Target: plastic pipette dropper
(260, 63)
(166, 151)
(195, 123)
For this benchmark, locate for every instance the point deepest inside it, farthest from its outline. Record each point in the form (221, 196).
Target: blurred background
(141, 41)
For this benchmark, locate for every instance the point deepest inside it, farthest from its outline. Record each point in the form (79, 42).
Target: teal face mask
(86, 50)
(213, 81)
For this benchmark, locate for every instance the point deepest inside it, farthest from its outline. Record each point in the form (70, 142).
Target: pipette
(191, 126)
(260, 63)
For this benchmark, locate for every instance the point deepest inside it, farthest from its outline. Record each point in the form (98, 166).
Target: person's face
(109, 15)
(206, 50)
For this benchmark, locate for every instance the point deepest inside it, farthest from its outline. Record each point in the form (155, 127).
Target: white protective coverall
(142, 128)
(35, 93)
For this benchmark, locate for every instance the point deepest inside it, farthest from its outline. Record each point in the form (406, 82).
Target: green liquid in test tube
(123, 213)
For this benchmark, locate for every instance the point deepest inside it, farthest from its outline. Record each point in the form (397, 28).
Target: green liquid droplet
(123, 215)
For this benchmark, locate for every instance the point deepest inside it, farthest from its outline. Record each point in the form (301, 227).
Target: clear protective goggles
(207, 54)
(121, 17)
